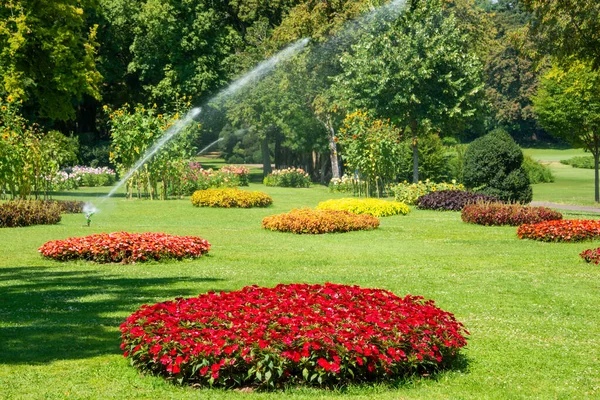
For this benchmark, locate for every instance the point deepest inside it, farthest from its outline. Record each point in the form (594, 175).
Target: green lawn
(531, 307)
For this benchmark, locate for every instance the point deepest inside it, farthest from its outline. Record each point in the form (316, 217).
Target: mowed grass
(531, 307)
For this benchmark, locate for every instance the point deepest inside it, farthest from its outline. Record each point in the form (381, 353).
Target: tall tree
(48, 55)
(418, 72)
(568, 29)
(568, 106)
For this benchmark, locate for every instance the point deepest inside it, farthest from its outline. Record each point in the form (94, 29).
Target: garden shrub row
(68, 206)
(289, 177)
(320, 335)
(451, 200)
(319, 221)
(586, 162)
(228, 198)
(375, 207)
(568, 230)
(29, 212)
(125, 247)
(506, 214)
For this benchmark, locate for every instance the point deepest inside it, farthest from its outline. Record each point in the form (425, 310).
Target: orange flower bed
(319, 221)
(568, 230)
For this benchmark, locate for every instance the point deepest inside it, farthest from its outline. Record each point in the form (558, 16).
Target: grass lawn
(531, 307)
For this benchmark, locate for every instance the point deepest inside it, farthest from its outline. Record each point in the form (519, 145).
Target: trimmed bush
(409, 193)
(568, 230)
(125, 247)
(538, 173)
(586, 162)
(296, 334)
(28, 212)
(319, 221)
(451, 200)
(493, 166)
(228, 198)
(374, 207)
(290, 177)
(591, 255)
(506, 214)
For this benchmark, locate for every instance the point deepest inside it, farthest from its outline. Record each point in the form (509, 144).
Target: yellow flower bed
(375, 207)
(228, 198)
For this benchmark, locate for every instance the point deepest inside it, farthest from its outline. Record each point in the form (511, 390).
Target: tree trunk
(335, 165)
(596, 177)
(264, 147)
(415, 149)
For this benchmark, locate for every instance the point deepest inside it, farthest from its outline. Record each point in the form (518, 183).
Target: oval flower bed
(451, 200)
(374, 207)
(568, 230)
(507, 214)
(319, 221)
(297, 334)
(228, 198)
(125, 247)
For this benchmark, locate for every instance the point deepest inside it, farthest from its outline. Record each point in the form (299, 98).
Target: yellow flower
(3, 108)
(10, 98)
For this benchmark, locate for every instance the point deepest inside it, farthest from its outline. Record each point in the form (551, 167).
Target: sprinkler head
(88, 217)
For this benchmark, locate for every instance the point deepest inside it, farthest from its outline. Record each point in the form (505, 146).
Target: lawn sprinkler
(88, 217)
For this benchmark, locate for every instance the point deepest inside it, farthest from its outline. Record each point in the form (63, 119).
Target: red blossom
(125, 247)
(251, 336)
(568, 230)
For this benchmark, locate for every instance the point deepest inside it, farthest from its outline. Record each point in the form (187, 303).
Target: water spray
(89, 210)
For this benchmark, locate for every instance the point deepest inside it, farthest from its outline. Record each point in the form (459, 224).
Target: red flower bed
(299, 334)
(125, 247)
(319, 221)
(568, 230)
(591, 255)
(506, 214)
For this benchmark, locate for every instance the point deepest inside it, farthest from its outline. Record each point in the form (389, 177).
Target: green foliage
(586, 162)
(48, 55)
(133, 133)
(28, 156)
(433, 160)
(370, 147)
(493, 166)
(538, 173)
(28, 212)
(418, 72)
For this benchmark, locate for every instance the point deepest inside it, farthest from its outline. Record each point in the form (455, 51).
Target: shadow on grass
(74, 193)
(49, 315)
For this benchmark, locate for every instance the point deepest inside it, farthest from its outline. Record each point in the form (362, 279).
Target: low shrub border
(17, 213)
(568, 230)
(451, 200)
(291, 334)
(374, 207)
(506, 214)
(125, 247)
(591, 255)
(289, 177)
(228, 198)
(319, 221)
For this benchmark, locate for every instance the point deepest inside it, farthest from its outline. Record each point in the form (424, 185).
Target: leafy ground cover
(531, 307)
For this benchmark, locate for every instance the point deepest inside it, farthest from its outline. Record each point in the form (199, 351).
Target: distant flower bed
(568, 230)
(409, 193)
(298, 334)
(29, 212)
(125, 247)
(319, 221)
(591, 255)
(374, 207)
(451, 200)
(228, 198)
(346, 184)
(290, 177)
(72, 178)
(507, 214)
(194, 177)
